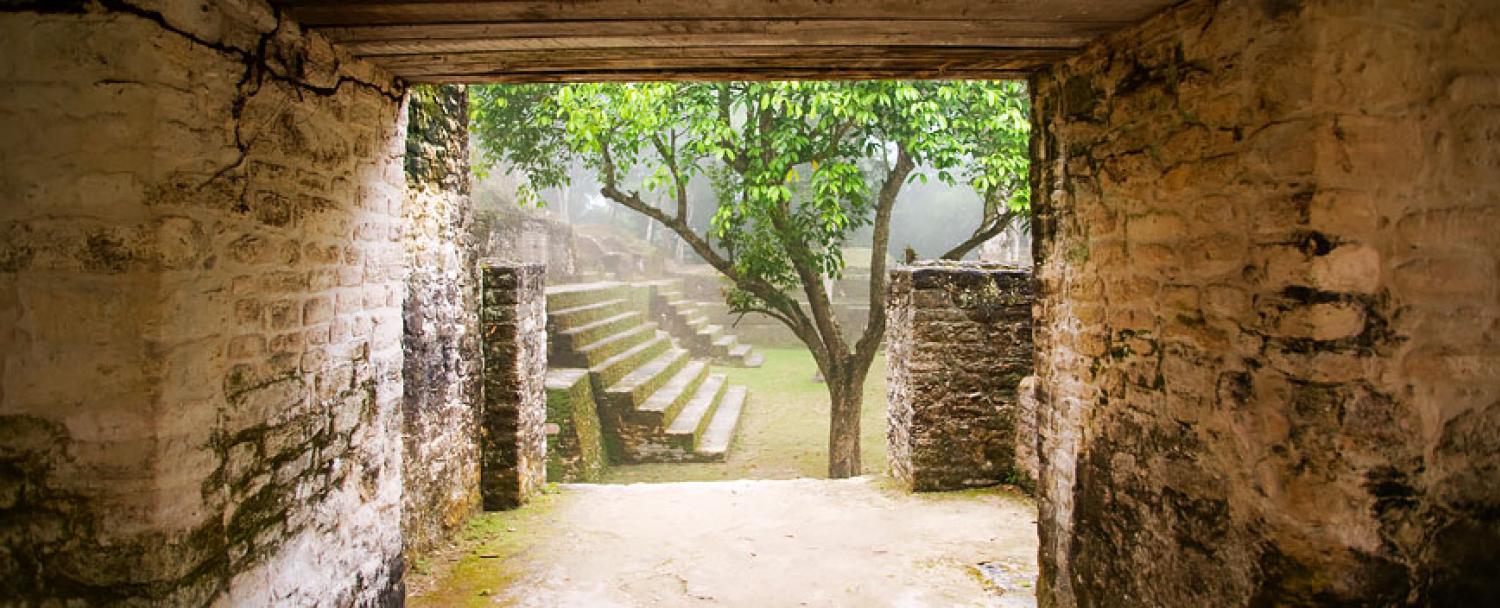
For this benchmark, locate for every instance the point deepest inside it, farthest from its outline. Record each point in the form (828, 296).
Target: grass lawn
(783, 431)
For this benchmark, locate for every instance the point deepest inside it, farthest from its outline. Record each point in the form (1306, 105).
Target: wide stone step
(578, 316)
(636, 387)
(589, 333)
(573, 295)
(601, 350)
(695, 417)
(753, 360)
(715, 441)
(610, 371)
(739, 351)
(668, 400)
(721, 345)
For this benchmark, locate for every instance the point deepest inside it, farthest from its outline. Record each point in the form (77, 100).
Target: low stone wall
(513, 418)
(958, 344)
(512, 235)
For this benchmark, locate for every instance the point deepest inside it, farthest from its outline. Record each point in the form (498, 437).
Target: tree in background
(796, 167)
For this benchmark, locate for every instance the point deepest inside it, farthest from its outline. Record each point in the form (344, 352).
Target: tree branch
(895, 178)
(668, 155)
(792, 313)
(981, 234)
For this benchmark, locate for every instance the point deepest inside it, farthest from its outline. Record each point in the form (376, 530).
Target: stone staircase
(655, 401)
(689, 320)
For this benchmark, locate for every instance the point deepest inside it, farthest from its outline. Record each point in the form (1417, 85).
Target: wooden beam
(911, 59)
(473, 37)
(376, 12)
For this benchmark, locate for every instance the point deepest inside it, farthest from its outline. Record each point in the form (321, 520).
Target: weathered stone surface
(441, 368)
(957, 345)
(513, 418)
(1267, 324)
(516, 236)
(1028, 398)
(200, 287)
(575, 446)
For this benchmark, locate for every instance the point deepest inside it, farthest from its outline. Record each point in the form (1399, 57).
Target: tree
(796, 168)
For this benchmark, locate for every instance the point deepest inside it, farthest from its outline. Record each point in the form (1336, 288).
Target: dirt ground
(802, 542)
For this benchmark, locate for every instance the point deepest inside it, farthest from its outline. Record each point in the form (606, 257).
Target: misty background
(929, 217)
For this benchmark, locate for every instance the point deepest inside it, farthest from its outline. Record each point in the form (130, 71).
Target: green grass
(783, 431)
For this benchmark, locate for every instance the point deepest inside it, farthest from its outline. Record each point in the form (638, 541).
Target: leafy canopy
(796, 166)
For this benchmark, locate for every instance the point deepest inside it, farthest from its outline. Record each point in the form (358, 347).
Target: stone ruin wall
(513, 414)
(441, 369)
(1268, 330)
(957, 345)
(201, 282)
(512, 235)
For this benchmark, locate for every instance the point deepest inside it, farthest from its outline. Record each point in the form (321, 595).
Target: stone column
(959, 343)
(513, 417)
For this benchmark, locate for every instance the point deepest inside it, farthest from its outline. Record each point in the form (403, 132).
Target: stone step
(753, 360)
(710, 332)
(690, 423)
(611, 370)
(668, 400)
(573, 295)
(739, 351)
(568, 318)
(637, 386)
(721, 345)
(589, 333)
(575, 447)
(714, 443)
(599, 351)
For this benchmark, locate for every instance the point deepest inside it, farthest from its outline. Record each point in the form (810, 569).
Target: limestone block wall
(1267, 237)
(957, 345)
(201, 279)
(514, 235)
(513, 417)
(440, 469)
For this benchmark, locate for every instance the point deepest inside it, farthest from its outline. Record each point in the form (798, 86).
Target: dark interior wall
(201, 279)
(1268, 334)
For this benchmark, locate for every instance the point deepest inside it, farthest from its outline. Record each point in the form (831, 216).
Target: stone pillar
(440, 367)
(959, 343)
(513, 415)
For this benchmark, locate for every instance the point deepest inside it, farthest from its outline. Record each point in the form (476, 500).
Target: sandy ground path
(777, 543)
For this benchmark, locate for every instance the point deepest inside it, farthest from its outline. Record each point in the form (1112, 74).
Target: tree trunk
(846, 392)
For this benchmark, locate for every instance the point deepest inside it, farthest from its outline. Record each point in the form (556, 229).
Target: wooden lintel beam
(375, 12)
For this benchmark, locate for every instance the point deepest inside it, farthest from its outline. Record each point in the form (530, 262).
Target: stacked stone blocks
(958, 345)
(1267, 239)
(513, 414)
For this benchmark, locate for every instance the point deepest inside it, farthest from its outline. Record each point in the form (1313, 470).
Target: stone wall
(513, 235)
(1267, 237)
(957, 345)
(513, 417)
(440, 470)
(201, 277)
